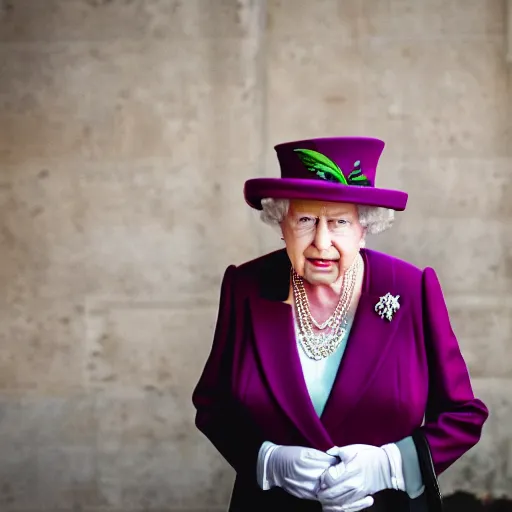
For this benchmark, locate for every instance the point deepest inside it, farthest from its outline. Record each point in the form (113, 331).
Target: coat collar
(274, 334)
(274, 277)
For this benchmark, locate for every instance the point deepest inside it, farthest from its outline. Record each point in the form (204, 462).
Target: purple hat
(339, 169)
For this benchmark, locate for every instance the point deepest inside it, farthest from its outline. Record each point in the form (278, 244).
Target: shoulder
(388, 271)
(391, 273)
(391, 264)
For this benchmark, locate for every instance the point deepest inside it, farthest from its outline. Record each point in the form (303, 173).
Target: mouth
(321, 263)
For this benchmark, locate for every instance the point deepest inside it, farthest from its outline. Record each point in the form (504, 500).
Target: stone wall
(127, 129)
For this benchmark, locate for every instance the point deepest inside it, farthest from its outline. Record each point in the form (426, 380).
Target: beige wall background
(127, 130)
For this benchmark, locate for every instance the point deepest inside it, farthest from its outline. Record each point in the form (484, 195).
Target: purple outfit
(394, 374)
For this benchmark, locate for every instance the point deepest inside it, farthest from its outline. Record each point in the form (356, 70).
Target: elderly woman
(334, 381)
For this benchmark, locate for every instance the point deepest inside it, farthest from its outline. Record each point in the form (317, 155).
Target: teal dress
(319, 377)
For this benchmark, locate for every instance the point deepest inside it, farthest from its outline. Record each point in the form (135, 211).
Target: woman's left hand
(363, 471)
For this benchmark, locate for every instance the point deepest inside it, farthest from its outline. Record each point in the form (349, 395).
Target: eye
(305, 220)
(341, 222)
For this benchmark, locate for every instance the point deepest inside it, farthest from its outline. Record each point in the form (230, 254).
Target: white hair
(374, 219)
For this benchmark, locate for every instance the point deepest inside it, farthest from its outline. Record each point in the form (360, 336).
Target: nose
(322, 239)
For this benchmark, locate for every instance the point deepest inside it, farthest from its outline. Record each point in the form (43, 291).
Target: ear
(362, 242)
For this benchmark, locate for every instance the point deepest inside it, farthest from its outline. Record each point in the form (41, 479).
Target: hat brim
(292, 188)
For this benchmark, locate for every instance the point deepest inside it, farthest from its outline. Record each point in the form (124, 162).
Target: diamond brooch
(387, 306)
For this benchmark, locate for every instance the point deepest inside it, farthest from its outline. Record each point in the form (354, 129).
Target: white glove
(357, 506)
(296, 469)
(364, 470)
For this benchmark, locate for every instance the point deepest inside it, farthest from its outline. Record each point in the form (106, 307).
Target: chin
(319, 278)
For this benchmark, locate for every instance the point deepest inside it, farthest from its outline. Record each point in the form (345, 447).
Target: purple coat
(393, 374)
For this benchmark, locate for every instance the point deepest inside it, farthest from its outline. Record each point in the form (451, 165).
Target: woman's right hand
(297, 469)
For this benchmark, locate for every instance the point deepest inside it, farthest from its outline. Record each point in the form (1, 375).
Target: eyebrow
(336, 214)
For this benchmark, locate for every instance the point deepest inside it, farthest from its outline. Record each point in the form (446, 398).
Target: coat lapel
(369, 341)
(274, 336)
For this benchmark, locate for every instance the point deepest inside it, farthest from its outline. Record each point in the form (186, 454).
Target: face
(322, 239)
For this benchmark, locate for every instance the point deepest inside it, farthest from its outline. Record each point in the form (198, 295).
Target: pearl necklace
(318, 345)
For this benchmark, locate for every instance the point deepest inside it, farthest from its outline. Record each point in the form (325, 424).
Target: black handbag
(434, 498)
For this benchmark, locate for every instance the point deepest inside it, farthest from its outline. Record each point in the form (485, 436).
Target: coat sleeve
(218, 416)
(454, 418)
